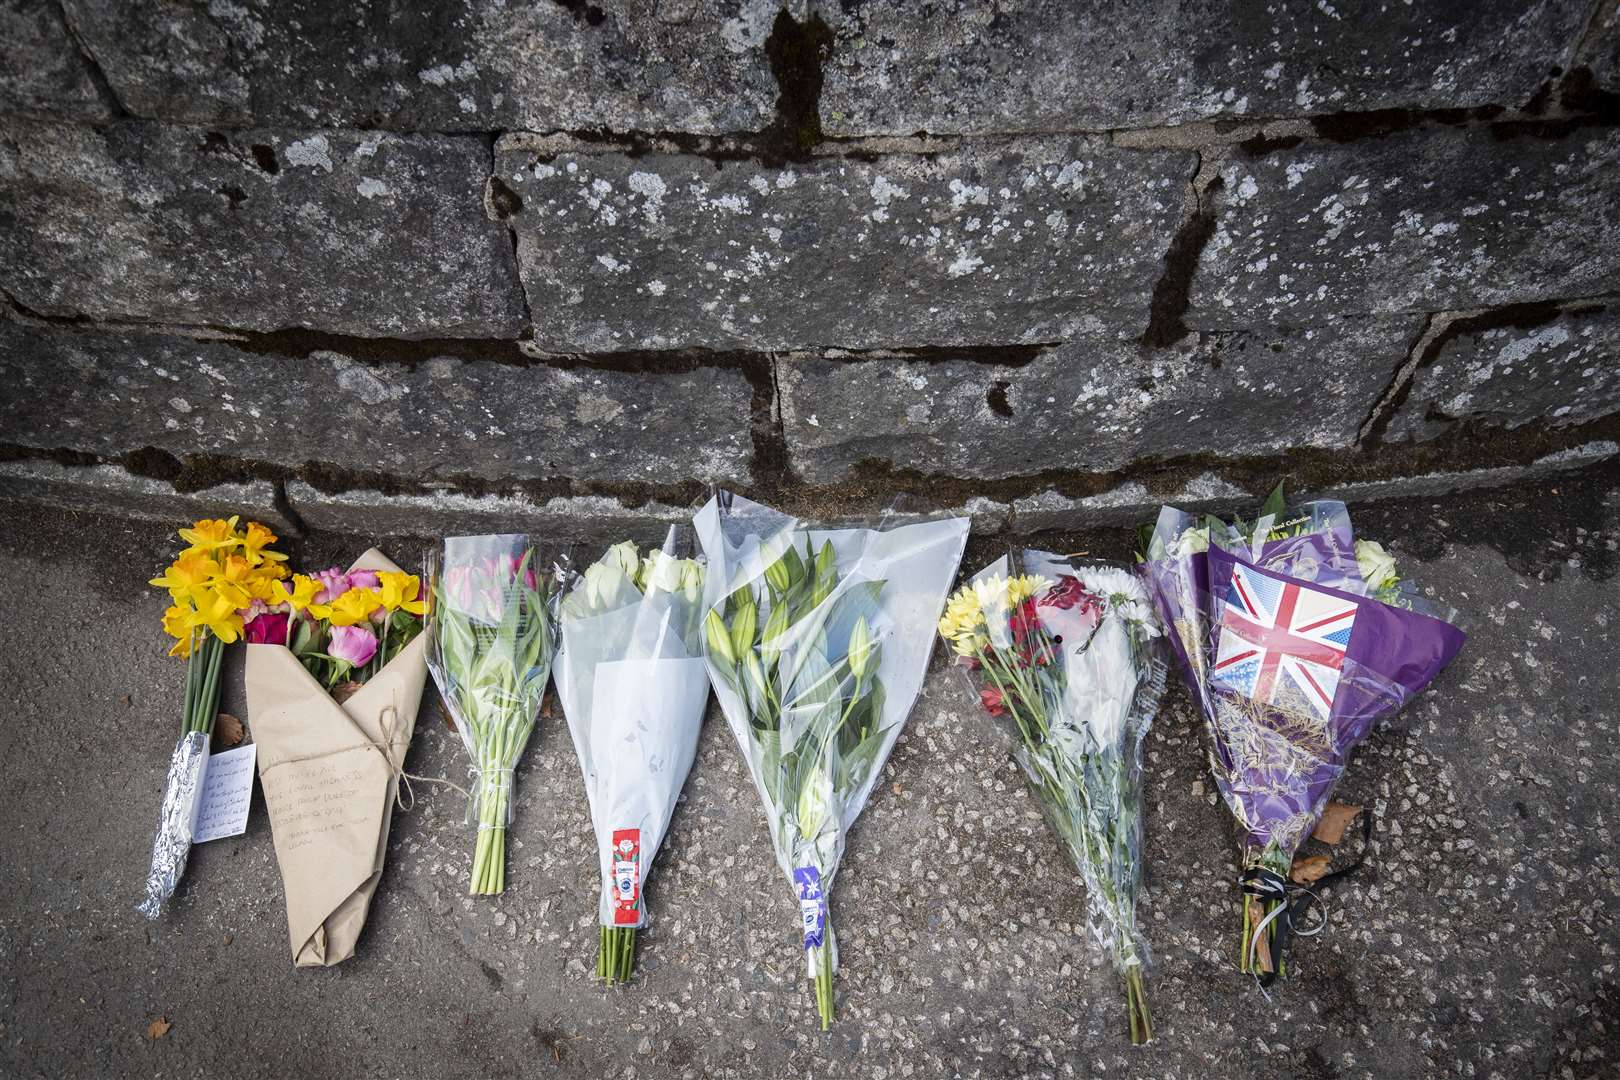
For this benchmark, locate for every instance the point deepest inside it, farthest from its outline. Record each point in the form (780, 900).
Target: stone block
(457, 65)
(1562, 370)
(1027, 242)
(110, 489)
(1050, 65)
(41, 67)
(441, 419)
(1091, 405)
(354, 232)
(1421, 220)
(589, 519)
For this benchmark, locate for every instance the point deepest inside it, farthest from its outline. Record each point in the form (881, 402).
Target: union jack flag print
(1282, 642)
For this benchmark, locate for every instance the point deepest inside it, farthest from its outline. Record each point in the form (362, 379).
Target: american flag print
(1282, 642)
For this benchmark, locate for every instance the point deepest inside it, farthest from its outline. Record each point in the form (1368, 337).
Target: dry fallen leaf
(898, 789)
(1309, 868)
(343, 691)
(158, 1028)
(1337, 816)
(228, 731)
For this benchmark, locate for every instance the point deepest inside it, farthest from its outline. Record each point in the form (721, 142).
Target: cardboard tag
(812, 906)
(626, 876)
(227, 793)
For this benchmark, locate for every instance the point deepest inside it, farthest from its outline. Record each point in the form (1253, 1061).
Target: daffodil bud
(742, 631)
(714, 628)
(862, 649)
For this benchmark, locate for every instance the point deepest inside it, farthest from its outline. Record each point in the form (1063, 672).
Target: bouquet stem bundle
(1068, 654)
(492, 649)
(816, 668)
(1295, 637)
(633, 685)
(220, 586)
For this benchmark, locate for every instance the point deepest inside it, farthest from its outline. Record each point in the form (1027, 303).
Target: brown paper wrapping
(328, 786)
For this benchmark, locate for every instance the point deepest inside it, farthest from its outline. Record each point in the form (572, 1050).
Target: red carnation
(991, 698)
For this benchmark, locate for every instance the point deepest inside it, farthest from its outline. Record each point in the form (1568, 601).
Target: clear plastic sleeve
(817, 641)
(633, 685)
(1068, 653)
(492, 606)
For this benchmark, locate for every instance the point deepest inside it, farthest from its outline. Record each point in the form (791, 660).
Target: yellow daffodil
(177, 622)
(400, 591)
(211, 534)
(218, 613)
(181, 648)
(301, 595)
(256, 541)
(352, 607)
(190, 571)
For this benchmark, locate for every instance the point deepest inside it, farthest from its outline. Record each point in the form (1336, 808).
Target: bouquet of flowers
(1295, 638)
(335, 670)
(492, 612)
(816, 641)
(632, 681)
(1068, 653)
(220, 587)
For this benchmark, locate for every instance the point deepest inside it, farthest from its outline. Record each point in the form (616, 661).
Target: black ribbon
(1272, 887)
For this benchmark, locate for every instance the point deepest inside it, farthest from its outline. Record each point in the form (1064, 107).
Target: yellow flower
(235, 581)
(354, 606)
(256, 541)
(216, 611)
(190, 571)
(1022, 588)
(181, 648)
(963, 620)
(400, 591)
(211, 534)
(302, 594)
(177, 622)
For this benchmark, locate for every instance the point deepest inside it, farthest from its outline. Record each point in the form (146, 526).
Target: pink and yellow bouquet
(221, 587)
(335, 670)
(343, 625)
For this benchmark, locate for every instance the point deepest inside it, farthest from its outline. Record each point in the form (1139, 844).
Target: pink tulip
(356, 644)
(334, 583)
(267, 629)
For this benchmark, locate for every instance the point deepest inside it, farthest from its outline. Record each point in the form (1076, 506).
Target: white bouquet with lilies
(817, 641)
(633, 685)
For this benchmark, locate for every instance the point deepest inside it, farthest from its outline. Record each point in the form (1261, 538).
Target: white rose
(1377, 565)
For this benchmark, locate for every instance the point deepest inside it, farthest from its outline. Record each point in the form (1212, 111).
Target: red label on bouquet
(626, 876)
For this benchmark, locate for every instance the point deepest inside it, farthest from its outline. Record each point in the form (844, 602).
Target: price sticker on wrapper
(626, 876)
(812, 905)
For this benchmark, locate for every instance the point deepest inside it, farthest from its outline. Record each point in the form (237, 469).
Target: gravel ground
(1479, 941)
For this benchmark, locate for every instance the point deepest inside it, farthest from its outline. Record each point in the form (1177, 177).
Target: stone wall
(564, 264)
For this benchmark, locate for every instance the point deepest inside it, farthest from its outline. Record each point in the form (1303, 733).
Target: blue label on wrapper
(812, 905)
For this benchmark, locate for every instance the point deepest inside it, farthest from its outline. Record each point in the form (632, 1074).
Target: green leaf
(1275, 504)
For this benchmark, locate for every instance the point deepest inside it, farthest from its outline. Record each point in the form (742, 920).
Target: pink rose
(355, 644)
(334, 583)
(363, 579)
(267, 629)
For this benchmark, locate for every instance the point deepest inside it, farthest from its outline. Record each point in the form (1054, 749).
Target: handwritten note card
(227, 790)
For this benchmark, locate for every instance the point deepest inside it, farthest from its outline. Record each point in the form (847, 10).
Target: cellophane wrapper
(1100, 674)
(1289, 658)
(493, 682)
(816, 757)
(633, 684)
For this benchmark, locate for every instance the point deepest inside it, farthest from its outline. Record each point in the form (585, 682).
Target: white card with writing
(227, 791)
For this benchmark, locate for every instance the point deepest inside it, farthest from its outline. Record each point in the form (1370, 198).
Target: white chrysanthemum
(1123, 593)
